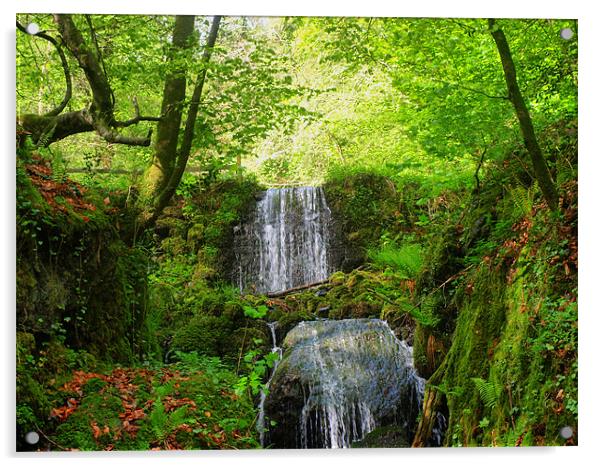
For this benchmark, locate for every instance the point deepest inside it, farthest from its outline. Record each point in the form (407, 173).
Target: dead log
(276, 294)
(430, 406)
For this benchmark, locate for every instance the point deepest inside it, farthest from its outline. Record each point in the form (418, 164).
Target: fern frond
(523, 200)
(489, 391)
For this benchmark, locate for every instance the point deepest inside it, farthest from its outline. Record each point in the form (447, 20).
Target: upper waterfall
(286, 241)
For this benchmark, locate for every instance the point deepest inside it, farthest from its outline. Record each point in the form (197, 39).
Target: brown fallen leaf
(95, 430)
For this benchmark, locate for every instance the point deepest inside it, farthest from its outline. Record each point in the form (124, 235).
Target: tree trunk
(174, 93)
(542, 173)
(430, 406)
(181, 160)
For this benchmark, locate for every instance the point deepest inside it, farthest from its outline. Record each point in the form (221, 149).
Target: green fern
(489, 391)
(162, 424)
(564, 171)
(406, 259)
(523, 201)
(426, 314)
(159, 419)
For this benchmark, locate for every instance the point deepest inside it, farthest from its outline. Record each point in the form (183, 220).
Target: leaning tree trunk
(431, 405)
(174, 93)
(181, 159)
(540, 168)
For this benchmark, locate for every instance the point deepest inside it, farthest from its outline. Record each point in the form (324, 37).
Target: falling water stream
(261, 427)
(338, 380)
(285, 243)
(334, 381)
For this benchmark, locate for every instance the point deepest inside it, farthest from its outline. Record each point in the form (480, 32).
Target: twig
(49, 439)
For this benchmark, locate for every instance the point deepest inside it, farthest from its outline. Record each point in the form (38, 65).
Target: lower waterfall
(337, 381)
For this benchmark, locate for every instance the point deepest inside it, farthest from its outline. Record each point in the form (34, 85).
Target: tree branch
(68, 91)
(115, 137)
(88, 62)
(137, 118)
(54, 125)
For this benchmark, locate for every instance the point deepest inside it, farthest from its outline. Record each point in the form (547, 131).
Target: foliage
(489, 391)
(184, 405)
(442, 230)
(405, 259)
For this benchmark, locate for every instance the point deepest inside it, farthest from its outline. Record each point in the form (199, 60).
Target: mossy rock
(205, 334)
(392, 436)
(195, 234)
(234, 313)
(168, 226)
(337, 278)
(174, 245)
(289, 320)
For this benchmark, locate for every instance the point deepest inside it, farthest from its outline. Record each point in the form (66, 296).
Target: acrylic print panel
(295, 232)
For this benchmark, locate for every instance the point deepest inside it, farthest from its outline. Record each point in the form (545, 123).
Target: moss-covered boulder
(337, 381)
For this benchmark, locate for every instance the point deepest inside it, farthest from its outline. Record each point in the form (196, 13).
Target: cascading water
(286, 241)
(261, 427)
(334, 381)
(338, 381)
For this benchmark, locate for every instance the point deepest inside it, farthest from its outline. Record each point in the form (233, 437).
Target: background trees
(121, 61)
(397, 95)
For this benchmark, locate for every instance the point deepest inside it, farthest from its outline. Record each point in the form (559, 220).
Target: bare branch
(137, 117)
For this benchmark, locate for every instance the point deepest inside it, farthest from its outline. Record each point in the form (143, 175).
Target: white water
(355, 375)
(286, 241)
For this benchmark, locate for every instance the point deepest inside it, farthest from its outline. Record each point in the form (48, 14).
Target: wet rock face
(338, 381)
(286, 242)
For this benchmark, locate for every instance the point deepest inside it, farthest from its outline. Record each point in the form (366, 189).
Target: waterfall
(286, 241)
(338, 381)
(261, 427)
(334, 381)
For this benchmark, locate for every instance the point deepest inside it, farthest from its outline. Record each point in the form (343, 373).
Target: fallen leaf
(95, 430)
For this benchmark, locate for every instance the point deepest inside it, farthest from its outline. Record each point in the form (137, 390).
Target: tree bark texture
(174, 93)
(540, 168)
(99, 116)
(178, 159)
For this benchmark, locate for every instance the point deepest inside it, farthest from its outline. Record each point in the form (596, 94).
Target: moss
(204, 334)
(364, 205)
(510, 376)
(289, 320)
(188, 405)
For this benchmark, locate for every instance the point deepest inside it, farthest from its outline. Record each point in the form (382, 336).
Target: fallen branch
(276, 294)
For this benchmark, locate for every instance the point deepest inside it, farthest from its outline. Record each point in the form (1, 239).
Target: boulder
(338, 381)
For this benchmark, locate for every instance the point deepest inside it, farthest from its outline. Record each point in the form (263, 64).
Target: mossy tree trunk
(540, 168)
(170, 163)
(174, 93)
